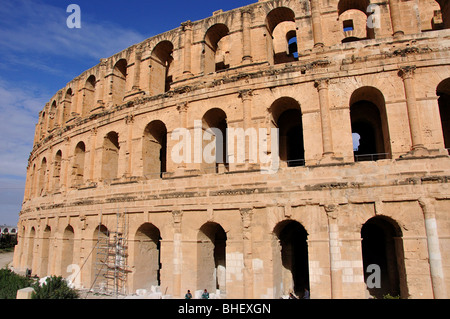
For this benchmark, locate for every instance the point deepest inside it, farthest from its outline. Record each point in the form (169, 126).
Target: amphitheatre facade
(350, 102)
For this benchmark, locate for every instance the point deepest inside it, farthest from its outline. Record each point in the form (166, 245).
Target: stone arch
(88, 95)
(280, 24)
(290, 250)
(154, 149)
(161, 62)
(352, 15)
(214, 126)
(100, 237)
(369, 124)
(147, 257)
(67, 258)
(42, 177)
(43, 125)
(33, 181)
(57, 170)
(382, 246)
(443, 92)
(67, 105)
(110, 156)
(287, 117)
(30, 249)
(214, 57)
(78, 164)
(53, 120)
(211, 257)
(45, 251)
(119, 80)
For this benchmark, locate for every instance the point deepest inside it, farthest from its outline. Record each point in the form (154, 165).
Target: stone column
(177, 252)
(333, 233)
(246, 96)
(434, 252)
(137, 70)
(395, 18)
(92, 150)
(327, 140)
(129, 120)
(316, 23)
(187, 28)
(407, 74)
(246, 37)
(182, 111)
(246, 216)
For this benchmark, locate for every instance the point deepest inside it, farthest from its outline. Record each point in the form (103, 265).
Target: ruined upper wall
(270, 32)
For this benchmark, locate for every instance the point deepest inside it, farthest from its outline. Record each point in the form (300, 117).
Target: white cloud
(19, 109)
(32, 25)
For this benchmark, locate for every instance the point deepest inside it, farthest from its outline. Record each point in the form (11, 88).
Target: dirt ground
(6, 259)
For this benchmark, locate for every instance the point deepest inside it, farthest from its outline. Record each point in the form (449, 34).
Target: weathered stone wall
(98, 143)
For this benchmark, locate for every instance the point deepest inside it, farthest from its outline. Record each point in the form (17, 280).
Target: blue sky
(39, 55)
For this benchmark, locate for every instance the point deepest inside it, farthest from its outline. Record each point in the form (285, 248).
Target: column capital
(331, 211)
(407, 72)
(187, 25)
(427, 205)
(246, 216)
(245, 94)
(177, 215)
(182, 107)
(129, 119)
(322, 83)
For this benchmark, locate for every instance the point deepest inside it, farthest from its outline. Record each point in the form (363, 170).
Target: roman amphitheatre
(359, 93)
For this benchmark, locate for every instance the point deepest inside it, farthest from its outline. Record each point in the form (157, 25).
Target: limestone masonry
(356, 203)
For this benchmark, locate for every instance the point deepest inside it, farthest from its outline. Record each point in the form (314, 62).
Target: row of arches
(381, 246)
(282, 45)
(369, 124)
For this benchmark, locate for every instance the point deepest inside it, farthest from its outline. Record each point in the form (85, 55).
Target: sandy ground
(6, 259)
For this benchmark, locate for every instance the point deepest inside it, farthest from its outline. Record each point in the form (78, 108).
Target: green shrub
(388, 296)
(10, 282)
(53, 288)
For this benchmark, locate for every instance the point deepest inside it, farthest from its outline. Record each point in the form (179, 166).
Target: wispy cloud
(33, 26)
(38, 54)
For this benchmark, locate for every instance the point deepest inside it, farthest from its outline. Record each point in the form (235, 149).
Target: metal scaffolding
(111, 259)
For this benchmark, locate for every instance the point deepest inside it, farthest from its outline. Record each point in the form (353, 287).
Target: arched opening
(78, 164)
(214, 125)
(292, 274)
(100, 241)
(216, 49)
(30, 250)
(445, 12)
(161, 62)
(53, 116)
(88, 95)
(352, 15)
(147, 257)
(211, 255)
(45, 251)
(57, 170)
(110, 157)
(443, 92)
(42, 177)
(287, 116)
(43, 125)
(67, 106)
(434, 15)
(33, 182)
(369, 125)
(282, 39)
(383, 258)
(119, 81)
(67, 250)
(154, 149)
